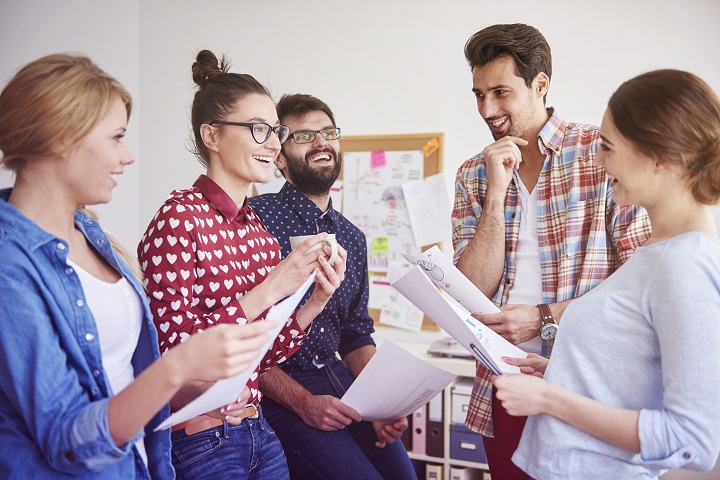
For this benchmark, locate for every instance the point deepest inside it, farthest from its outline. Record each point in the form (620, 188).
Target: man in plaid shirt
(534, 223)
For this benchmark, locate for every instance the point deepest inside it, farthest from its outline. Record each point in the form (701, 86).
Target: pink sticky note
(377, 159)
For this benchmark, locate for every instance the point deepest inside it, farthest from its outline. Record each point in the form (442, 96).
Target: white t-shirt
(118, 315)
(527, 289)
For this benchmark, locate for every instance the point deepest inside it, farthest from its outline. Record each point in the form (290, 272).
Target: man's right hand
(327, 413)
(501, 158)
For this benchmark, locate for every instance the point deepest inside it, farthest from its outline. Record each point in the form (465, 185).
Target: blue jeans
(250, 451)
(345, 454)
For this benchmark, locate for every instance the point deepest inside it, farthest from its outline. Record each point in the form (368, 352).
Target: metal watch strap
(545, 314)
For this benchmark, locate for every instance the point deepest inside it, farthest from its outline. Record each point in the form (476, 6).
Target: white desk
(417, 343)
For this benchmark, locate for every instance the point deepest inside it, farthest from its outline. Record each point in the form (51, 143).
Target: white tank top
(117, 310)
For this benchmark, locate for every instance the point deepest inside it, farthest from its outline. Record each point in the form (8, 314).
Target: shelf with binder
(437, 418)
(436, 439)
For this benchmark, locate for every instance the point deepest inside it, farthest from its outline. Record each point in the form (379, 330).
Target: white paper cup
(329, 240)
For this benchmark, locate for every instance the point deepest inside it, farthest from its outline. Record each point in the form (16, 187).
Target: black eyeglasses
(307, 136)
(260, 131)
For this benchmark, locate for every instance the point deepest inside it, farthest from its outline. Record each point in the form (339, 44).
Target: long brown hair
(674, 117)
(218, 93)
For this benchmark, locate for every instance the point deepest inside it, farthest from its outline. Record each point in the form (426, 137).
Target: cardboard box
(466, 445)
(460, 399)
(465, 473)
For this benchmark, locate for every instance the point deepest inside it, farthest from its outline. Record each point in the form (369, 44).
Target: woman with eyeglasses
(209, 260)
(82, 384)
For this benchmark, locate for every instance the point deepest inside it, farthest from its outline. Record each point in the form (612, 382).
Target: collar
(303, 206)
(12, 219)
(220, 199)
(552, 134)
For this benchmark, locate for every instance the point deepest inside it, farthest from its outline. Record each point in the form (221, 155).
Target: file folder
(435, 443)
(419, 429)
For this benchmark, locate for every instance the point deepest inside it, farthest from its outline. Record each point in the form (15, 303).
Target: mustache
(317, 151)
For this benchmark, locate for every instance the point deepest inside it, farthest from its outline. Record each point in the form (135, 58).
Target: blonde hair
(51, 104)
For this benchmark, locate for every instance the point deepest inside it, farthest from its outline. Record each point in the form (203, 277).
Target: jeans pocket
(195, 447)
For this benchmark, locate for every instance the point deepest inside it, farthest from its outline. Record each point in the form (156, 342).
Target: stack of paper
(486, 345)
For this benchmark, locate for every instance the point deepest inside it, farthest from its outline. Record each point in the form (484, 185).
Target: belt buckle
(250, 411)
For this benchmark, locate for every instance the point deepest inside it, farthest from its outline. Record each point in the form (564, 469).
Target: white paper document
(428, 208)
(227, 390)
(373, 201)
(446, 276)
(394, 384)
(486, 345)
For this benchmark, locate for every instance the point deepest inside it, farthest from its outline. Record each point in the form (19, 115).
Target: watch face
(548, 331)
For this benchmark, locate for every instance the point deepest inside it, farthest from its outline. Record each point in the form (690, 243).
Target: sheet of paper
(446, 276)
(373, 200)
(226, 391)
(394, 384)
(380, 290)
(428, 208)
(336, 193)
(486, 345)
(397, 310)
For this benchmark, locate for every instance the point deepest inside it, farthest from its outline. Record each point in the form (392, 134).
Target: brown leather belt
(204, 422)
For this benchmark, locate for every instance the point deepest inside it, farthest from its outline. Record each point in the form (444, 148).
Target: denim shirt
(54, 393)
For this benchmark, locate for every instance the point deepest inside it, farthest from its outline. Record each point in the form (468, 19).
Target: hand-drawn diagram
(373, 200)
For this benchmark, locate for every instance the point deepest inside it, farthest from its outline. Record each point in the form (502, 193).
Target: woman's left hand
(520, 394)
(330, 277)
(533, 364)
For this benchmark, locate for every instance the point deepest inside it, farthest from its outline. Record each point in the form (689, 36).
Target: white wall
(383, 66)
(106, 31)
(398, 66)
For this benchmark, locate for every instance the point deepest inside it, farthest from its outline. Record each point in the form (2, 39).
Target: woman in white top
(632, 386)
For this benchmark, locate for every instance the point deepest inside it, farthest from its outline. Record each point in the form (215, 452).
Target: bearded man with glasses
(302, 395)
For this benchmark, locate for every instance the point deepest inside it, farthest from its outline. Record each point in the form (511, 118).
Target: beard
(313, 181)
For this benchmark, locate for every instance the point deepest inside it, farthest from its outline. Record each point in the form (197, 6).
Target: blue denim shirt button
(79, 302)
(68, 271)
(61, 246)
(96, 373)
(100, 242)
(89, 337)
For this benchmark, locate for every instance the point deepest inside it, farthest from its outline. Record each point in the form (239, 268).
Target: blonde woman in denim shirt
(81, 384)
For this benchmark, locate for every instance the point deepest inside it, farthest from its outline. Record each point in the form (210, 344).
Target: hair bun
(206, 66)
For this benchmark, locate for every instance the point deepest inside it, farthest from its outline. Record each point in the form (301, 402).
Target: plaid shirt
(583, 235)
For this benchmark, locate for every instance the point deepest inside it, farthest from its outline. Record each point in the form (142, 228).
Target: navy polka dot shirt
(344, 325)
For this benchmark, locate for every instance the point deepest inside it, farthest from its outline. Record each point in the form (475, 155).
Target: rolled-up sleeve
(685, 433)
(42, 389)
(467, 207)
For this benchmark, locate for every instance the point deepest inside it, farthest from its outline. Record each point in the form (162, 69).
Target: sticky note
(379, 245)
(377, 159)
(430, 147)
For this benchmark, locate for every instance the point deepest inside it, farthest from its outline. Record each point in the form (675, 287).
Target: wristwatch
(549, 327)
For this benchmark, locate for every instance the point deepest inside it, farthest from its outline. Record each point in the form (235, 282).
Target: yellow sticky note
(430, 147)
(379, 245)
